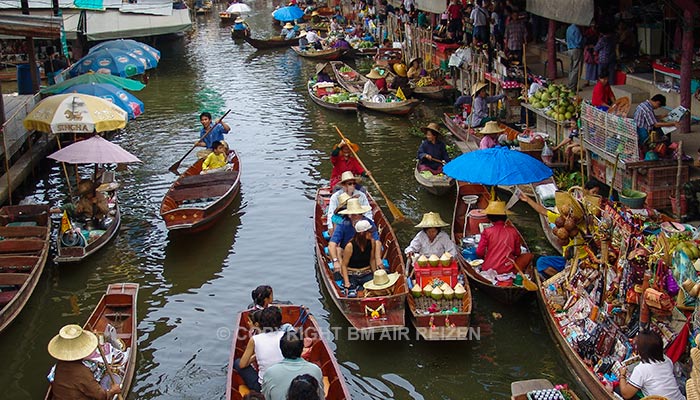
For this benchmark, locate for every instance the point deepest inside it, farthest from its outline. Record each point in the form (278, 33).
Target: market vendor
(480, 104)
(375, 85)
(288, 32)
(91, 205)
(603, 96)
(490, 131)
(654, 374)
(322, 74)
(415, 71)
(343, 160)
(431, 239)
(500, 244)
(432, 153)
(646, 120)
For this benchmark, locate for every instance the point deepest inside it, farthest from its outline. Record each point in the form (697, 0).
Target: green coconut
(423, 261)
(460, 291)
(446, 259)
(436, 294)
(428, 289)
(434, 260)
(448, 293)
(416, 291)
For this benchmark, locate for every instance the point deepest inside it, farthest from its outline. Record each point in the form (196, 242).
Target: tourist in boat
(654, 374)
(279, 377)
(262, 297)
(345, 231)
(375, 85)
(288, 31)
(348, 183)
(359, 262)
(603, 96)
(431, 239)
(72, 380)
(215, 161)
(92, 204)
(263, 347)
(322, 73)
(415, 71)
(480, 104)
(432, 153)
(343, 160)
(333, 216)
(314, 40)
(500, 244)
(217, 133)
(304, 387)
(490, 130)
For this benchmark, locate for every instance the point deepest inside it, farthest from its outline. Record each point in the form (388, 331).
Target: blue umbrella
(117, 62)
(150, 55)
(497, 166)
(289, 13)
(124, 100)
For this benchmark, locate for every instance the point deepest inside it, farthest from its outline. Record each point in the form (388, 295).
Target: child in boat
(216, 161)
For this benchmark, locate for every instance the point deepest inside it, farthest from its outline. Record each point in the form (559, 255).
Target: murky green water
(192, 287)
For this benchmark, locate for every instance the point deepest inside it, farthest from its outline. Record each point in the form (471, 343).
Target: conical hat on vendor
(432, 220)
(288, 25)
(491, 128)
(72, 343)
(315, 14)
(478, 86)
(375, 74)
(238, 20)
(320, 67)
(400, 69)
(432, 127)
(414, 59)
(495, 208)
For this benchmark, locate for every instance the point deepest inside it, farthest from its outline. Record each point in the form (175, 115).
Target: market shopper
(654, 374)
(605, 48)
(515, 36)
(480, 104)
(500, 244)
(480, 21)
(574, 43)
(432, 153)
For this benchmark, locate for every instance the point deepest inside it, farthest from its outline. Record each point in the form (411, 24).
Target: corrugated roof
(30, 25)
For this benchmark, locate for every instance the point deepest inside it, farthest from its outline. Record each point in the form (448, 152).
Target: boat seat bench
(192, 193)
(244, 390)
(199, 180)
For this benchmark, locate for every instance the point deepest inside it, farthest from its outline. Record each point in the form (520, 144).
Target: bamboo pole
(677, 200)
(7, 168)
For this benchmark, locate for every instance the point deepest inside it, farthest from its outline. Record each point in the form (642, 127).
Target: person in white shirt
(480, 20)
(654, 375)
(431, 239)
(314, 40)
(338, 201)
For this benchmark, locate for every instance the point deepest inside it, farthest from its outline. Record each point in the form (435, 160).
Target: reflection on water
(193, 286)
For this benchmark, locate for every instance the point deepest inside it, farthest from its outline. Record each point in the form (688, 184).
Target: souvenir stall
(626, 281)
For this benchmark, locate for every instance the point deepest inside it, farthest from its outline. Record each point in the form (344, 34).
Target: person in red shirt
(343, 160)
(499, 246)
(603, 96)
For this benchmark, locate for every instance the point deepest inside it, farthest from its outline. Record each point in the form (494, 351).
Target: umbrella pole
(65, 170)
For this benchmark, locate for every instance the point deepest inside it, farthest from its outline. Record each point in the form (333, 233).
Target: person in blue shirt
(574, 43)
(432, 153)
(345, 231)
(216, 135)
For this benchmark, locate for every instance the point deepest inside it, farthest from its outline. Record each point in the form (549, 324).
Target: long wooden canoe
(441, 326)
(460, 132)
(344, 106)
(544, 222)
(117, 307)
(326, 54)
(72, 248)
(355, 310)
(26, 239)
(272, 43)
(504, 294)
(321, 355)
(585, 376)
(435, 92)
(437, 184)
(194, 202)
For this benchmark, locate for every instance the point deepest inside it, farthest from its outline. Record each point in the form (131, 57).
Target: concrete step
(636, 95)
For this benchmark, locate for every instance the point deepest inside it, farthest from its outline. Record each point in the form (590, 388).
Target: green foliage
(565, 180)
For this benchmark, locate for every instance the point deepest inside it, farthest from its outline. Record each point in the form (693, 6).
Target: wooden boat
(520, 389)
(461, 132)
(504, 294)
(440, 92)
(26, 233)
(75, 247)
(437, 184)
(117, 307)
(544, 222)
(583, 374)
(272, 43)
(344, 106)
(226, 18)
(194, 202)
(326, 54)
(357, 310)
(321, 355)
(441, 326)
(240, 33)
(362, 52)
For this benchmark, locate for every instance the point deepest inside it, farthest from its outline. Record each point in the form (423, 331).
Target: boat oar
(173, 168)
(529, 285)
(108, 366)
(395, 212)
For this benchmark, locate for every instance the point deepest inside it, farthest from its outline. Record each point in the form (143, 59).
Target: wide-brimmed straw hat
(238, 20)
(478, 86)
(495, 208)
(342, 201)
(354, 146)
(315, 14)
(302, 33)
(433, 127)
(382, 280)
(320, 67)
(354, 207)
(375, 74)
(414, 59)
(288, 25)
(72, 343)
(348, 176)
(400, 69)
(491, 128)
(432, 220)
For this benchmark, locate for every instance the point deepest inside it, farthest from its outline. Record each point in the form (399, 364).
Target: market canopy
(95, 150)
(497, 166)
(579, 12)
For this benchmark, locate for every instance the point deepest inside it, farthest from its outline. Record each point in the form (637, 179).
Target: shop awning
(113, 24)
(30, 25)
(579, 12)
(433, 6)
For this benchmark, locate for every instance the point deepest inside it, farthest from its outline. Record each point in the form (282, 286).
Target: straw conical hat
(348, 175)
(374, 74)
(478, 86)
(491, 128)
(382, 280)
(354, 207)
(72, 343)
(435, 128)
(342, 201)
(496, 208)
(288, 25)
(432, 220)
(238, 20)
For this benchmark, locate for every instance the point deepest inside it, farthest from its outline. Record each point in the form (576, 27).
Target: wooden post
(686, 66)
(677, 200)
(551, 51)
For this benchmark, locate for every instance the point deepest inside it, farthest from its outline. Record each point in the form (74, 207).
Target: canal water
(192, 287)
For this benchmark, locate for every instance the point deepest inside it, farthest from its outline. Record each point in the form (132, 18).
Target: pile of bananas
(425, 81)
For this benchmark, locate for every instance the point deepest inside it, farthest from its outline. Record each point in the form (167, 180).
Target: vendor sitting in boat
(92, 204)
(345, 231)
(400, 80)
(431, 239)
(375, 85)
(415, 71)
(490, 131)
(480, 104)
(348, 182)
(217, 134)
(288, 32)
(500, 244)
(432, 153)
(303, 42)
(314, 40)
(322, 73)
(343, 160)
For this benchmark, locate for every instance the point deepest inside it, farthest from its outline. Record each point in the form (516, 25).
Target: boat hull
(346, 107)
(262, 44)
(437, 187)
(393, 108)
(75, 254)
(328, 55)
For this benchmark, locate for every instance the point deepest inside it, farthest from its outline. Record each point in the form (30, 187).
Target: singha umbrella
(144, 52)
(289, 13)
(126, 101)
(497, 166)
(115, 61)
(78, 113)
(124, 83)
(94, 150)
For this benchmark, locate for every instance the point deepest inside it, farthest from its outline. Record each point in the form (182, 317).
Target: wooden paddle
(395, 212)
(529, 285)
(173, 168)
(108, 366)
